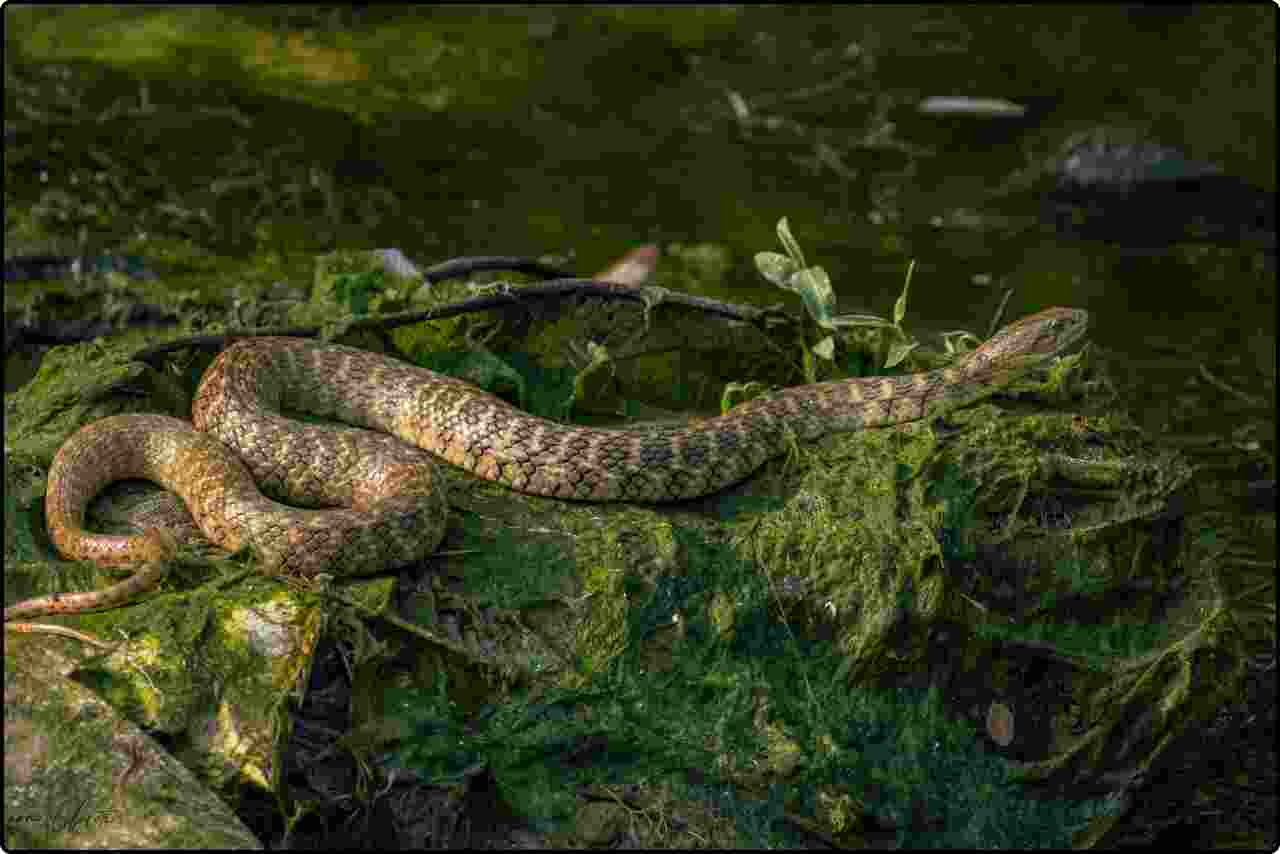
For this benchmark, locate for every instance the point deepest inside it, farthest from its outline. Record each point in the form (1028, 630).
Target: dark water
(469, 130)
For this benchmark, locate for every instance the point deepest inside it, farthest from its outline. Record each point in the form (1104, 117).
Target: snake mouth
(1064, 334)
(1074, 336)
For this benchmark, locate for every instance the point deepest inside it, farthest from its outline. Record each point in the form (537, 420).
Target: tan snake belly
(390, 508)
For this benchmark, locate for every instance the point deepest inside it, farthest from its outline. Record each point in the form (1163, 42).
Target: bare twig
(554, 288)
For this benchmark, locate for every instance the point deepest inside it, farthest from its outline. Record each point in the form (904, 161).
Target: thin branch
(511, 296)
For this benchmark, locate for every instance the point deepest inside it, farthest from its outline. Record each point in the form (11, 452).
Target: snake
(366, 496)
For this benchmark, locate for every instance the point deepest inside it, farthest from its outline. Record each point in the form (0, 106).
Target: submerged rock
(1117, 185)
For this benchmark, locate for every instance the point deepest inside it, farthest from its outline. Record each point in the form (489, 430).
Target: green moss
(748, 706)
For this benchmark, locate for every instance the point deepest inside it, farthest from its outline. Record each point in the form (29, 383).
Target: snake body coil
(384, 504)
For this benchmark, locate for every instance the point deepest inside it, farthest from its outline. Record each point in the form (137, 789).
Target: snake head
(1051, 332)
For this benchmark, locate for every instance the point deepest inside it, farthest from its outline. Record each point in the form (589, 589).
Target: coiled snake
(391, 509)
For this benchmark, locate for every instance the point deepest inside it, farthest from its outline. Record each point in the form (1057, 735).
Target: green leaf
(953, 341)
(869, 320)
(735, 393)
(826, 348)
(776, 268)
(789, 242)
(814, 286)
(900, 307)
(899, 351)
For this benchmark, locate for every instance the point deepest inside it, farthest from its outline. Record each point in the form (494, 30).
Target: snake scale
(383, 505)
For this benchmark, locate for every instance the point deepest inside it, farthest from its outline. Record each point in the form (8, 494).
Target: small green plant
(356, 289)
(793, 273)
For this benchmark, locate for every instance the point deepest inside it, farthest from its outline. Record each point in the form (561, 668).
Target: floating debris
(963, 105)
